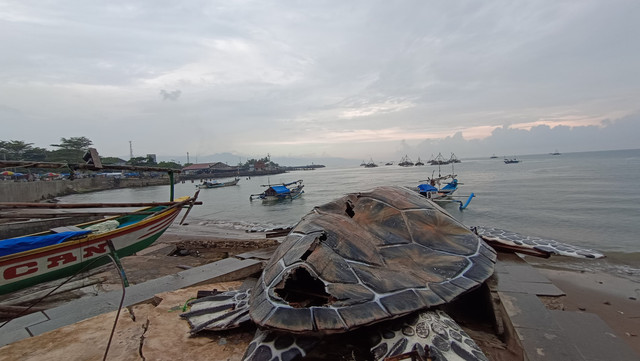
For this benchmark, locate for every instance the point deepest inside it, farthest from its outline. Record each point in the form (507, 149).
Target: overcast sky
(355, 79)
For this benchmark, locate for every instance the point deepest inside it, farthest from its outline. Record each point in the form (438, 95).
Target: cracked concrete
(147, 331)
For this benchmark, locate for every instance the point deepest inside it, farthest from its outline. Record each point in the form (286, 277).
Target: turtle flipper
(445, 340)
(512, 239)
(278, 346)
(219, 312)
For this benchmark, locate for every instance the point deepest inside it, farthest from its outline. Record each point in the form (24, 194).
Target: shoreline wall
(41, 190)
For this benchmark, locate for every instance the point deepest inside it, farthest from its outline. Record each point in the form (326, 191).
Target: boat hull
(25, 269)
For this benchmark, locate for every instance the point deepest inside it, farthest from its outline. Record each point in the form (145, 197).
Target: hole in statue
(303, 290)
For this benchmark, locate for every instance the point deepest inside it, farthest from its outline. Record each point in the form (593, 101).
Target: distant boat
(439, 160)
(405, 162)
(511, 160)
(371, 164)
(419, 162)
(286, 191)
(555, 153)
(389, 163)
(216, 184)
(494, 156)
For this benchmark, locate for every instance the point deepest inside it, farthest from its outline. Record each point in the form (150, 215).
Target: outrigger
(444, 194)
(285, 191)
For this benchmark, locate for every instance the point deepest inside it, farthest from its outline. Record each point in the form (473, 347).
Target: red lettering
(91, 250)
(64, 258)
(20, 270)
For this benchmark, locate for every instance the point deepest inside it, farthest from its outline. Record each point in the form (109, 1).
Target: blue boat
(285, 191)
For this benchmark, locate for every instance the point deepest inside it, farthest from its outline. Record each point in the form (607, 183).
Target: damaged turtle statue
(378, 263)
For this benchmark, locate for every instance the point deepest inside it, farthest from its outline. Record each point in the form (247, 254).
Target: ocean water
(590, 199)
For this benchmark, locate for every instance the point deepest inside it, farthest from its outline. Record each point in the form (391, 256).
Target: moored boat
(285, 191)
(216, 184)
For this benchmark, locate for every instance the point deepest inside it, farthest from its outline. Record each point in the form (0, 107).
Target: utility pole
(130, 150)
(187, 157)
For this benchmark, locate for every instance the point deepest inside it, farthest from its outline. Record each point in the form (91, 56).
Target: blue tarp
(452, 185)
(281, 189)
(21, 244)
(424, 188)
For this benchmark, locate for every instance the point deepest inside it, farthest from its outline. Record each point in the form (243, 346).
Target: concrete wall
(36, 191)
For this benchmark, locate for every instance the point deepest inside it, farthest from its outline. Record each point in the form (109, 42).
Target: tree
(74, 143)
(70, 150)
(171, 165)
(14, 149)
(146, 161)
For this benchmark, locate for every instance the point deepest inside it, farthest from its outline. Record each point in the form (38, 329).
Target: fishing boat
(405, 162)
(216, 184)
(370, 164)
(511, 160)
(64, 251)
(419, 162)
(285, 191)
(440, 189)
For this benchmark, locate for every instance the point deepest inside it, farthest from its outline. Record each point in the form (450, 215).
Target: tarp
(281, 189)
(21, 244)
(425, 188)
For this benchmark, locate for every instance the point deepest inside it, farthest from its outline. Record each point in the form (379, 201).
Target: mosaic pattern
(445, 340)
(536, 243)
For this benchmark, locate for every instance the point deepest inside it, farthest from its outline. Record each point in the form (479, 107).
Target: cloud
(170, 95)
(329, 77)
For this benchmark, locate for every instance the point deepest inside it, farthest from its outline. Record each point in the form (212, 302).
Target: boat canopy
(21, 244)
(424, 188)
(281, 189)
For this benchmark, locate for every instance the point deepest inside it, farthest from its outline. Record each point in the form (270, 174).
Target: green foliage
(266, 161)
(171, 165)
(70, 150)
(112, 160)
(143, 161)
(14, 149)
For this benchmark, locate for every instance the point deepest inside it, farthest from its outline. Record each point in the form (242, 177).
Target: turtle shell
(366, 258)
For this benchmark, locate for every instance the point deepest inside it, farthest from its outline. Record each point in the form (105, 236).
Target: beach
(153, 330)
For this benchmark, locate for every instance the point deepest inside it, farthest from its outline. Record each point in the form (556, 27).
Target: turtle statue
(379, 262)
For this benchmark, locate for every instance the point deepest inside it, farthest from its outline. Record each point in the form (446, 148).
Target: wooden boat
(286, 191)
(61, 252)
(216, 184)
(64, 251)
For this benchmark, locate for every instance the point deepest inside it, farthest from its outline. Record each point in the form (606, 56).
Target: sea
(588, 199)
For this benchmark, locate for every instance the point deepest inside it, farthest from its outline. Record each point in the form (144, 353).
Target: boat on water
(511, 160)
(555, 153)
(440, 189)
(419, 162)
(275, 193)
(216, 184)
(370, 164)
(405, 162)
(494, 156)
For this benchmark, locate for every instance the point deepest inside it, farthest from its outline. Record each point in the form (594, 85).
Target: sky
(352, 79)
